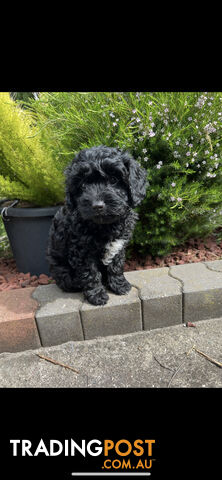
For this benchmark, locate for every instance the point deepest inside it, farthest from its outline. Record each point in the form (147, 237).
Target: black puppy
(89, 234)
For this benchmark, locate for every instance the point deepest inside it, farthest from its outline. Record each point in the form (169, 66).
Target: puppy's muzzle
(98, 207)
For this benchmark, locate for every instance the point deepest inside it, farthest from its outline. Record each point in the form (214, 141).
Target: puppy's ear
(137, 180)
(72, 182)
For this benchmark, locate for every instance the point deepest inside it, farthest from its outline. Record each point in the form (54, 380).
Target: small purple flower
(179, 199)
(114, 124)
(173, 184)
(188, 154)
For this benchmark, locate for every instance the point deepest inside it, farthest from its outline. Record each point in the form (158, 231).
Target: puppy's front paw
(119, 285)
(97, 297)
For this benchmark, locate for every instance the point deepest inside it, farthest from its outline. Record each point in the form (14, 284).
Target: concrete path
(160, 358)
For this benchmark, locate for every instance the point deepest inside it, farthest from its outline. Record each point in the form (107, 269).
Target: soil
(195, 250)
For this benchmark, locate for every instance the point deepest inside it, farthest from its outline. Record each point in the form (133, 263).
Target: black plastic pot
(28, 230)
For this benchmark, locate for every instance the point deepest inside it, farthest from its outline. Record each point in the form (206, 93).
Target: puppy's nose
(98, 206)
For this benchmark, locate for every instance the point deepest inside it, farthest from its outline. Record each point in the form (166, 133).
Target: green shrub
(27, 171)
(176, 136)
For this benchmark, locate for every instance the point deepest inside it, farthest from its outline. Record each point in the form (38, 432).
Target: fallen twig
(208, 358)
(56, 362)
(161, 364)
(177, 370)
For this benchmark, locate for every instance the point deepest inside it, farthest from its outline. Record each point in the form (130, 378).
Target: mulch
(11, 279)
(195, 250)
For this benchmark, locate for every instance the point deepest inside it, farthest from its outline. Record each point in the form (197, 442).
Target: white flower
(145, 159)
(189, 118)
(158, 166)
(134, 111)
(144, 150)
(151, 133)
(204, 162)
(173, 184)
(187, 164)
(188, 154)
(206, 152)
(177, 143)
(172, 199)
(179, 199)
(112, 114)
(114, 124)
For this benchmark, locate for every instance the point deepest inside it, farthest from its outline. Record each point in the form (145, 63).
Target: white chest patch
(112, 248)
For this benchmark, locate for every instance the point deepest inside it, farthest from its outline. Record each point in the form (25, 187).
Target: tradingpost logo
(119, 456)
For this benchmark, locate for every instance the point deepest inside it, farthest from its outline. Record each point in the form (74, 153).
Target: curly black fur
(88, 235)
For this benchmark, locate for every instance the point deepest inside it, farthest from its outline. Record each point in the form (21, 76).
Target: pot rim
(29, 212)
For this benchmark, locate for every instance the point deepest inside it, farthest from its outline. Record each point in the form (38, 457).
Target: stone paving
(162, 297)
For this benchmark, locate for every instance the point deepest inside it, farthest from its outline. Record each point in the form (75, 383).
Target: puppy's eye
(113, 180)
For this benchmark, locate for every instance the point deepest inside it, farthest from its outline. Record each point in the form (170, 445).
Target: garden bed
(194, 250)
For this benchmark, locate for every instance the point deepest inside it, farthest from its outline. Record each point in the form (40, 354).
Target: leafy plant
(27, 171)
(176, 136)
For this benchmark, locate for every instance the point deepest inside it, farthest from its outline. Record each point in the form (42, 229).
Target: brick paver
(18, 329)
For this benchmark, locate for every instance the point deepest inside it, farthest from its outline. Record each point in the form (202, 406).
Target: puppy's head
(103, 183)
